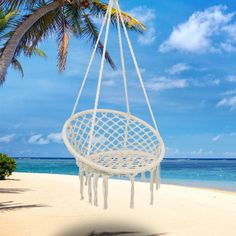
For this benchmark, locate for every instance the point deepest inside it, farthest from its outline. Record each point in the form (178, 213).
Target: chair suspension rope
(90, 63)
(123, 63)
(100, 75)
(136, 66)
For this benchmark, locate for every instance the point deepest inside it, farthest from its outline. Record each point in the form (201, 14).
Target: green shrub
(7, 166)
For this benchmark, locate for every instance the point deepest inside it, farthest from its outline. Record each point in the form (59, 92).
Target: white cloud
(40, 140)
(231, 78)
(198, 152)
(214, 82)
(147, 17)
(227, 47)
(178, 68)
(55, 137)
(229, 154)
(227, 102)
(163, 83)
(7, 138)
(109, 83)
(229, 92)
(205, 82)
(231, 31)
(216, 138)
(196, 34)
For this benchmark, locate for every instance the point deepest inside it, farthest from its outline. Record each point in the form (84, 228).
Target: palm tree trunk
(9, 51)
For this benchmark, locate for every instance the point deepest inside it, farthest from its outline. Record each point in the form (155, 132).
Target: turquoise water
(214, 173)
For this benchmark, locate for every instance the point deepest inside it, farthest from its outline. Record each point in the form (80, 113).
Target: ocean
(207, 173)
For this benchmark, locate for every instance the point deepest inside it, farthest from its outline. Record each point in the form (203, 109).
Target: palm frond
(38, 32)
(17, 66)
(90, 31)
(72, 14)
(8, 19)
(99, 8)
(63, 48)
(22, 4)
(39, 52)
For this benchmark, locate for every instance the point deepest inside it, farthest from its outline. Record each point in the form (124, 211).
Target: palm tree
(8, 20)
(63, 17)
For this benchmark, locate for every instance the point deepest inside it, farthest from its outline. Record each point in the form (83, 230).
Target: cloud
(230, 29)
(227, 102)
(163, 83)
(227, 47)
(109, 83)
(231, 78)
(178, 68)
(38, 139)
(204, 83)
(7, 138)
(216, 138)
(198, 152)
(147, 17)
(194, 153)
(113, 73)
(197, 34)
(55, 137)
(229, 92)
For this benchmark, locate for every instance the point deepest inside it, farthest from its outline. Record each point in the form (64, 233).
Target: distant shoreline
(140, 181)
(169, 158)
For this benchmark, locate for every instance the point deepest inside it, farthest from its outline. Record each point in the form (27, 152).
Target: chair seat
(124, 160)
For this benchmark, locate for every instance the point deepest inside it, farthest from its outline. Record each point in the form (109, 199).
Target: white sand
(48, 205)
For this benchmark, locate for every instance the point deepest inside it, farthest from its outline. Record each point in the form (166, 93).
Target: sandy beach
(48, 205)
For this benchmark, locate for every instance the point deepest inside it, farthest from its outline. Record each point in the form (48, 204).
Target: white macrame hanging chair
(109, 143)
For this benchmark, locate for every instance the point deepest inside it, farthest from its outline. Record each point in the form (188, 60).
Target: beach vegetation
(7, 166)
(9, 19)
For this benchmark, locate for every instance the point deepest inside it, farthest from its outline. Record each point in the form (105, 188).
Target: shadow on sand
(111, 228)
(13, 190)
(10, 206)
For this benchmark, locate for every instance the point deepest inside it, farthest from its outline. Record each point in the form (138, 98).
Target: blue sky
(188, 61)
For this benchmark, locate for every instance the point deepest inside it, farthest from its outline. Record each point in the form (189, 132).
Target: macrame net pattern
(120, 141)
(109, 143)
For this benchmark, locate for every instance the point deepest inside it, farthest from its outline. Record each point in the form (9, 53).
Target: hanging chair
(109, 143)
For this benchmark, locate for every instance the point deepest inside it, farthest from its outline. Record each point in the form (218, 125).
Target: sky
(188, 63)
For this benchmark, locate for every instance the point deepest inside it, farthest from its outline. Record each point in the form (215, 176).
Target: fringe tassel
(132, 192)
(143, 178)
(151, 186)
(158, 177)
(95, 187)
(105, 190)
(90, 189)
(81, 177)
(86, 179)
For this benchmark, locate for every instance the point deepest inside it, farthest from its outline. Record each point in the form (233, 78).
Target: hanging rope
(136, 65)
(100, 74)
(81, 176)
(123, 63)
(132, 192)
(105, 191)
(95, 189)
(90, 63)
